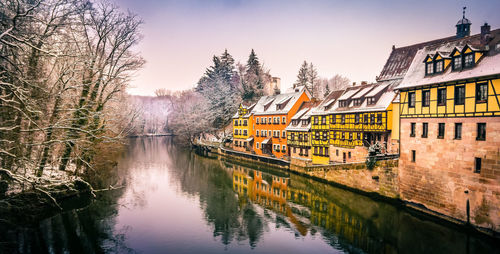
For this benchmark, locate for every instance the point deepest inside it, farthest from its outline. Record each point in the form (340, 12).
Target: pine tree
(253, 79)
(302, 78)
(312, 78)
(327, 89)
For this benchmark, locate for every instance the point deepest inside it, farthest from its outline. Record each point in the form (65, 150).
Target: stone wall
(358, 154)
(383, 179)
(444, 169)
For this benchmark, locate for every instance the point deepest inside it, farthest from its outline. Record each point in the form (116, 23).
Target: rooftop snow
(348, 94)
(362, 92)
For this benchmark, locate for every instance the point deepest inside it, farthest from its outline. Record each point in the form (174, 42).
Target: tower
(463, 26)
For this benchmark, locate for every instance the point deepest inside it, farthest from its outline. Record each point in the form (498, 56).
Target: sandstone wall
(444, 169)
(383, 179)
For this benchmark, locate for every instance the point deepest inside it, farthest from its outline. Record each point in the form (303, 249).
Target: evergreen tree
(253, 80)
(312, 78)
(302, 77)
(327, 89)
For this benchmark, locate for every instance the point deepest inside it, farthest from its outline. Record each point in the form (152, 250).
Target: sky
(350, 38)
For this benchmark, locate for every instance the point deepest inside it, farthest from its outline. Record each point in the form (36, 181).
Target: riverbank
(380, 183)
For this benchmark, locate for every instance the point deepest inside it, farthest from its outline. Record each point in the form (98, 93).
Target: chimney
(353, 83)
(364, 83)
(485, 32)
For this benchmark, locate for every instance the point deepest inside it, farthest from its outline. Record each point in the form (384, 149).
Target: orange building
(271, 116)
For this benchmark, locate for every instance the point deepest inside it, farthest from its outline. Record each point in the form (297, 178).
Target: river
(175, 201)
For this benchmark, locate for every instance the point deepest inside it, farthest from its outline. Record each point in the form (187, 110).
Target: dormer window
(371, 100)
(429, 68)
(357, 102)
(439, 66)
(343, 104)
(468, 60)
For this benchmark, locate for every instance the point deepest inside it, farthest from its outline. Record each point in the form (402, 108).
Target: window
(343, 119)
(357, 102)
(343, 135)
(343, 103)
(334, 135)
(245, 122)
(283, 120)
(372, 119)
(429, 68)
(459, 95)
(263, 120)
(305, 137)
(412, 130)
(366, 119)
(292, 136)
(439, 66)
(350, 136)
(481, 92)
(468, 60)
(283, 148)
(413, 155)
(316, 135)
(283, 134)
(379, 118)
(426, 98)
(257, 145)
(269, 119)
(458, 130)
(316, 120)
(356, 120)
(321, 151)
(457, 63)
(477, 165)
(236, 122)
(332, 120)
(371, 100)
(441, 96)
(481, 131)
(323, 120)
(257, 134)
(300, 137)
(349, 155)
(337, 152)
(441, 130)
(245, 132)
(326, 151)
(257, 121)
(425, 130)
(411, 99)
(325, 135)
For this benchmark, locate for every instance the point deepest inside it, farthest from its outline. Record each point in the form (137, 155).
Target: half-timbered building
(243, 128)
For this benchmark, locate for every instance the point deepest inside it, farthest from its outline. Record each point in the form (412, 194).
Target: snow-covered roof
(304, 113)
(267, 105)
(489, 64)
(348, 94)
(379, 88)
(300, 113)
(362, 92)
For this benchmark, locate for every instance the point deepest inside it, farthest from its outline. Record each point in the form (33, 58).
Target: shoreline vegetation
(64, 112)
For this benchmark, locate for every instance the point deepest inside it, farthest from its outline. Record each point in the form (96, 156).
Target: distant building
(273, 86)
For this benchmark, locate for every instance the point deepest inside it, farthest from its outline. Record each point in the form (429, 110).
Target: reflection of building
(243, 182)
(242, 128)
(271, 116)
(299, 135)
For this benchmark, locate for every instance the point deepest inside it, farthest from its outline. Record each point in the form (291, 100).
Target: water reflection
(176, 201)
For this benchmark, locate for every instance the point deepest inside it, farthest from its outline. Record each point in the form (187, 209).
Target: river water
(175, 201)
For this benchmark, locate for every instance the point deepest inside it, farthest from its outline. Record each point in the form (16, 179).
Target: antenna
(464, 11)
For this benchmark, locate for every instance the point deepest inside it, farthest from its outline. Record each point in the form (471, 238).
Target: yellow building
(344, 128)
(450, 127)
(299, 135)
(242, 128)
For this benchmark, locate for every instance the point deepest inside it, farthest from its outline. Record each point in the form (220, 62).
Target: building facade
(450, 128)
(243, 128)
(299, 135)
(271, 116)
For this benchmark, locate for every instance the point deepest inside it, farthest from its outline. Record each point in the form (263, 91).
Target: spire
(463, 25)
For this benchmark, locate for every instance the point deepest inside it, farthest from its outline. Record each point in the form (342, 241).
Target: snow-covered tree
(302, 76)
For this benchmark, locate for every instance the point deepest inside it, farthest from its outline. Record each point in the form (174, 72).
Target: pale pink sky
(351, 38)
